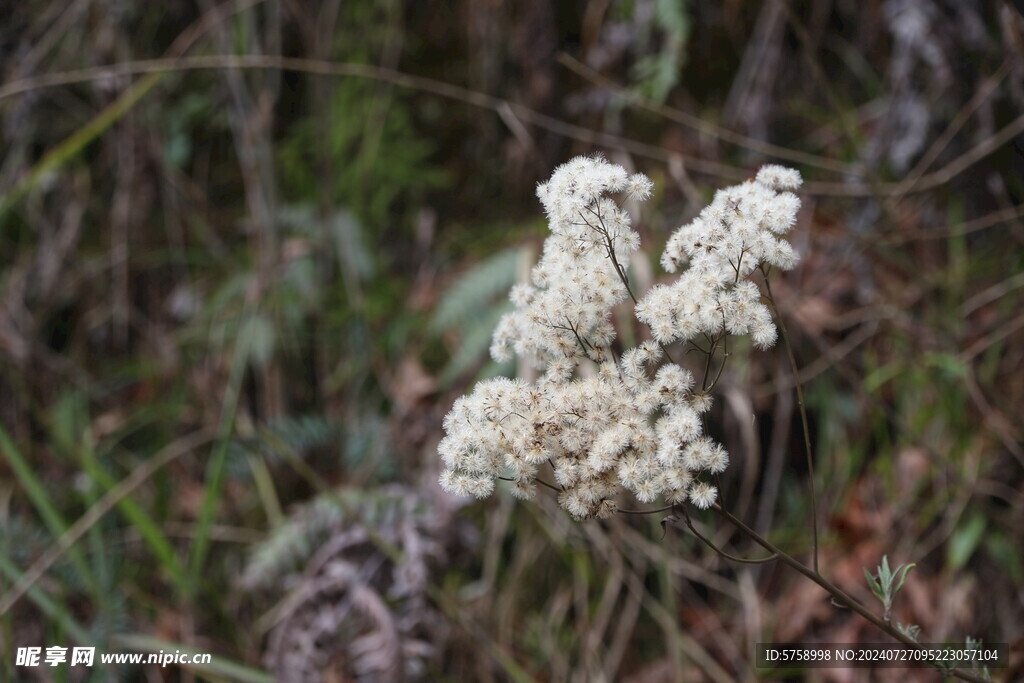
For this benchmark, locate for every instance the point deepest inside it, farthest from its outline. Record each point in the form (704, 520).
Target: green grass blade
(151, 533)
(37, 494)
(47, 605)
(77, 141)
(215, 468)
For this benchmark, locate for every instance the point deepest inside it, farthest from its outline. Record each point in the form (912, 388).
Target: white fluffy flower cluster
(739, 232)
(565, 312)
(595, 433)
(627, 426)
(633, 424)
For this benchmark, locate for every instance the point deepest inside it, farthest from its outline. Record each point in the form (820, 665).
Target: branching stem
(539, 481)
(619, 270)
(646, 512)
(708, 543)
(839, 596)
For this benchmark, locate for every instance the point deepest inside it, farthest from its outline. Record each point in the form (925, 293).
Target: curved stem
(838, 595)
(646, 512)
(708, 543)
(549, 485)
(712, 344)
(803, 414)
(721, 367)
(538, 480)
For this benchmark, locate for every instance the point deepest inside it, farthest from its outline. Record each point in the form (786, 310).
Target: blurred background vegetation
(241, 285)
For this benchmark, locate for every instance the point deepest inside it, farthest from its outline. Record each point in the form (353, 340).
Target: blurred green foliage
(372, 156)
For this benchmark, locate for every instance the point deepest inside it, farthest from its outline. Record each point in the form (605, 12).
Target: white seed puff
(631, 424)
(737, 234)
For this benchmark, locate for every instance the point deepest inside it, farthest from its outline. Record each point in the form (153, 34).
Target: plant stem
(837, 593)
(620, 271)
(708, 543)
(803, 414)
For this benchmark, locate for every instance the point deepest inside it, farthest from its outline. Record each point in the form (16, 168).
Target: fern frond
(476, 291)
(476, 338)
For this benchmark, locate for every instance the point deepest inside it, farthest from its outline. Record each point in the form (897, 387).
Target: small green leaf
(964, 542)
(901, 572)
(258, 333)
(884, 575)
(950, 365)
(878, 378)
(875, 587)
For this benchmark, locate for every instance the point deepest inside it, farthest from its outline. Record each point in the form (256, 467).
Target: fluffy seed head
(603, 424)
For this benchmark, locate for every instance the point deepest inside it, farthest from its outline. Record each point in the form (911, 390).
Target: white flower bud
(703, 495)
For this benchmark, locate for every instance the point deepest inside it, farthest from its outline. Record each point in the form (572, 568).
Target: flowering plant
(605, 422)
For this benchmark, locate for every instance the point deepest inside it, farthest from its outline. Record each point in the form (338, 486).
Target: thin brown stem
(803, 414)
(646, 512)
(708, 543)
(722, 339)
(839, 596)
(610, 249)
(843, 188)
(721, 367)
(699, 124)
(539, 481)
(620, 271)
(549, 485)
